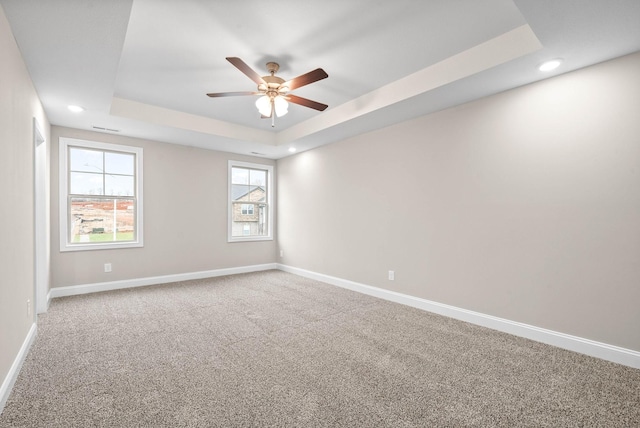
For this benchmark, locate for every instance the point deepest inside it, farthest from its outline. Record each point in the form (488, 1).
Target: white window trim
(269, 169)
(64, 189)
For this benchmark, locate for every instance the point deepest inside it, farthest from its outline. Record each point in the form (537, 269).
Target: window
(250, 217)
(247, 209)
(100, 195)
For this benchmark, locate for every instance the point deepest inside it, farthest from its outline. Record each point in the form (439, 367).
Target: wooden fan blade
(232, 94)
(305, 102)
(305, 79)
(248, 71)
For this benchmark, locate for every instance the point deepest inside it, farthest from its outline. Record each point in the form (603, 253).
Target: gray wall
(185, 217)
(524, 205)
(19, 104)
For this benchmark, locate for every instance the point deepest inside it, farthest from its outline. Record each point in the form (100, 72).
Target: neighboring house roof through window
(240, 192)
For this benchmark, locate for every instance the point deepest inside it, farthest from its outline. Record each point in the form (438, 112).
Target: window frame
(269, 202)
(63, 190)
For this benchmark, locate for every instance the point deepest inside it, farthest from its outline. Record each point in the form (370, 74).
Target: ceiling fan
(275, 91)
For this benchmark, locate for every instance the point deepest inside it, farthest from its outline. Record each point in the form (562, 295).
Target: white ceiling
(143, 67)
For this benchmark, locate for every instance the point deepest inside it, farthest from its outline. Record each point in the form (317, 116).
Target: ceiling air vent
(100, 128)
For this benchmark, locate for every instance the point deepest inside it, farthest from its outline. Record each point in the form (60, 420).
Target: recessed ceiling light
(75, 109)
(550, 65)
(292, 149)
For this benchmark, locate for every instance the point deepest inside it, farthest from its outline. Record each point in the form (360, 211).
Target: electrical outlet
(392, 275)
(281, 253)
(28, 307)
(107, 267)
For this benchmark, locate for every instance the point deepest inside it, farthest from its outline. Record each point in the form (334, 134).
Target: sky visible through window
(244, 180)
(97, 172)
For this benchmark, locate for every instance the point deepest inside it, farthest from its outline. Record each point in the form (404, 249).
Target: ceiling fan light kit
(264, 105)
(280, 105)
(274, 90)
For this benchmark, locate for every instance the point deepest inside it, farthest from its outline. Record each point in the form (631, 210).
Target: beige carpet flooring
(274, 349)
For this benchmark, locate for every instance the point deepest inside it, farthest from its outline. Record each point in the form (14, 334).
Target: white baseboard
(10, 379)
(154, 280)
(589, 347)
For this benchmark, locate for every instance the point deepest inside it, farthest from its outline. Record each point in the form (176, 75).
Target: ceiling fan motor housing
(273, 82)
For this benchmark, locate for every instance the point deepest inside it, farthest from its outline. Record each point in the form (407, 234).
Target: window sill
(249, 239)
(109, 246)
